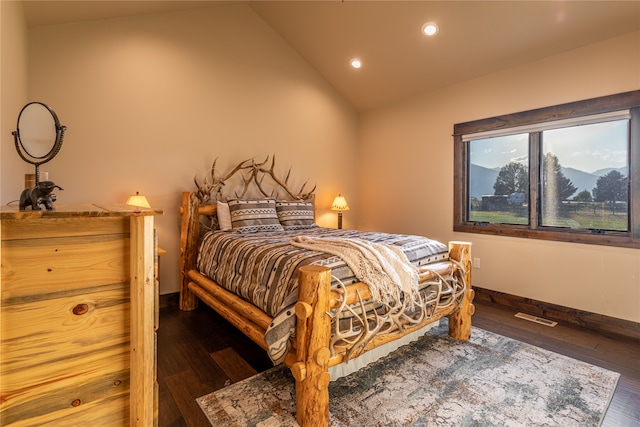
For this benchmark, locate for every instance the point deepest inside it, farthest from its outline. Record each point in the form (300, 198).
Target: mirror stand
(38, 139)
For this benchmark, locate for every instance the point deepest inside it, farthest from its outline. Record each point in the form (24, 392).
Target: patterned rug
(436, 381)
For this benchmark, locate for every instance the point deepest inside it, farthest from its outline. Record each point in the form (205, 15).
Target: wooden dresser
(78, 317)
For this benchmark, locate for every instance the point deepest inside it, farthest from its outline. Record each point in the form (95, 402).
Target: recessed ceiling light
(430, 29)
(356, 63)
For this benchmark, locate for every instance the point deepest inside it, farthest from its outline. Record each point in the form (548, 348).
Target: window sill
(577, 236)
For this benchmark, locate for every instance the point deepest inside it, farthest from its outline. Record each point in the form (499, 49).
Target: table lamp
(138, 201)
(340, 205)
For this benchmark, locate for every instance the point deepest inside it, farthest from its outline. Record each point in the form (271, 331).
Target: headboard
(248, 179)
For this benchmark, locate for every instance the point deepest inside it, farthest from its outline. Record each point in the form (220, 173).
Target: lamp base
(339, 220)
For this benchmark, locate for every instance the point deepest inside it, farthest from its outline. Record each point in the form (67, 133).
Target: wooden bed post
(189, 231)
(313, 354)
(460, 320)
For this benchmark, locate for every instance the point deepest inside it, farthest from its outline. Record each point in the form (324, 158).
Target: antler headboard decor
(211, 188)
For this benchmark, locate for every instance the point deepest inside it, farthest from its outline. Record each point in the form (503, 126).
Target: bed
(297, 289)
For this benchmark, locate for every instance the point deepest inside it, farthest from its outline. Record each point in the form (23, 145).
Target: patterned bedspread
(262, 268)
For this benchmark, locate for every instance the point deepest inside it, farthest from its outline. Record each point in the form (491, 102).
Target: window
(569, 173)
(499, 179)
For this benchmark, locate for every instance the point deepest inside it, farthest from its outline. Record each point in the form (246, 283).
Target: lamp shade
(339, 204)
(138, 201)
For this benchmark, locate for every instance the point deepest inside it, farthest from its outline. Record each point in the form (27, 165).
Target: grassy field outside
(586, 215)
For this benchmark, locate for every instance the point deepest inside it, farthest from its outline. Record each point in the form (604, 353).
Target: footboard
(460, 320)
(313, 333)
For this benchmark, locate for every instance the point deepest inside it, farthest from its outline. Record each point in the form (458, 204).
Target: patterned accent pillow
(251, 216)
(295, 215)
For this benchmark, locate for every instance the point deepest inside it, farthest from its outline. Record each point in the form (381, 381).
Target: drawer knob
(80, 309)
(76, 403)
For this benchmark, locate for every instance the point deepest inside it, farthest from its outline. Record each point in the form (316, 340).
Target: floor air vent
(535, 319)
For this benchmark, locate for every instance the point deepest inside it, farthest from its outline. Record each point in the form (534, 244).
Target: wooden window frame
(606, 104)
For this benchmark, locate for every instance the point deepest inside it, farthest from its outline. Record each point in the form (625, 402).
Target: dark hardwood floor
(199, 352)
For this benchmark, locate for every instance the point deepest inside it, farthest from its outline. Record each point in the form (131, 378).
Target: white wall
(13, 87)
(414, 194)
(150, 101)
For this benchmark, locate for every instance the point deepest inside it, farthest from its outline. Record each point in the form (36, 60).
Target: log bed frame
(310, 356)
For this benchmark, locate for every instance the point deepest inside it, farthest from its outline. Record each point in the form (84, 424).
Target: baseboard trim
(597, 322)
(169, 300)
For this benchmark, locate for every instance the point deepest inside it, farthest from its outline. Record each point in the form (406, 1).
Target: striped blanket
(262, 268)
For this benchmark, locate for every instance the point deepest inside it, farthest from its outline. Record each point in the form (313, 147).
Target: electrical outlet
(476, 263)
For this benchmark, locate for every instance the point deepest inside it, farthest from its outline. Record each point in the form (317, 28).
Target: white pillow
(224, 216)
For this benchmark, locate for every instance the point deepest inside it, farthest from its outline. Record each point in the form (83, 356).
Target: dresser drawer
(37, 267)
(83, 401)
(51, 338)
(55, 350)
(39, 228)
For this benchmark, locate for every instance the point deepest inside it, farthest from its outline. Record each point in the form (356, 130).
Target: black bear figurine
(39, 195)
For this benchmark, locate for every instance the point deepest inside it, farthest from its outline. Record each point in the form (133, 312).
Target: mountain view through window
(583, 174)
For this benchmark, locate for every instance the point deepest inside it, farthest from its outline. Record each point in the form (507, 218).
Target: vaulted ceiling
(398, 61)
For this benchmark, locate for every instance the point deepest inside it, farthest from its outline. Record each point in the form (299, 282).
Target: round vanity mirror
(37, 130)
(39, 135)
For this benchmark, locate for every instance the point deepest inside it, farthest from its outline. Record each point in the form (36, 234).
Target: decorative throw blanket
(384, 268)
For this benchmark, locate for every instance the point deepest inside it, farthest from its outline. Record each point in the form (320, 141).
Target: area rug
(490, 380)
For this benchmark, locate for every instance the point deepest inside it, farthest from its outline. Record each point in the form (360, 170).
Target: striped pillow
(295, 215)
(251, 216)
